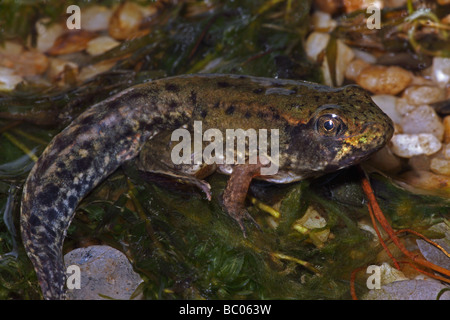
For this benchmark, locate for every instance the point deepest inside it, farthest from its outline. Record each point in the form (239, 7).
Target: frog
(319, 130)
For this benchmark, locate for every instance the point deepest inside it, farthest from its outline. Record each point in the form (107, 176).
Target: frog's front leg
(236, 192)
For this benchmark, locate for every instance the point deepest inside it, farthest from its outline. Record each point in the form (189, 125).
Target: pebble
(384, 80)
(440, 166)
(409, 145)
(323, 20)
(125, 21)
(8, 79)
(100, 45)
(420, 95)
(103, 270)
(344, 56)
(388, 104)
(70, 42)
(427, 180)
(315, 44)
(58, 67)
(47, 34)
(423, 119)
(441, 71)
(95, 18)
(403, 107)
(28, 63)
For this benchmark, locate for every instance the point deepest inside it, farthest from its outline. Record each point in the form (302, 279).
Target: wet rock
(409, 290)
(104, 271)
(423, 119)
(384, 80)
(409, 145)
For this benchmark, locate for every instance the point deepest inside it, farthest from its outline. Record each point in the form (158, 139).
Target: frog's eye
(330, 125)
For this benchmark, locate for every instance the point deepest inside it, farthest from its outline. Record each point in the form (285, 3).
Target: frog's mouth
(361, 146)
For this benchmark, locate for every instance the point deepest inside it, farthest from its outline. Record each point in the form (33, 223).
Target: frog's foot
(180, 178)
(236, 192)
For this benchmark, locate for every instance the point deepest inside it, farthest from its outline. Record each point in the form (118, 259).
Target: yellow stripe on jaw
(350, 144)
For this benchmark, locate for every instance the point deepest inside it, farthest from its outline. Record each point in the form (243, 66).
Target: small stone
(344, 56)
(427, 180)
(420, 95)
(70, 42)
(355, 68)
(388, 103)
(315, 44)
(8, 79)
(410, 290)
(423, 119)
(58, 68)
(323, 20)
(441, 71)
(104, 271)
(125, 21)
(403, 107)
(100, 45)
(95, 18)
(384, 80)
(28, 63)
(409, 145)
(47, 34)
(440, 166)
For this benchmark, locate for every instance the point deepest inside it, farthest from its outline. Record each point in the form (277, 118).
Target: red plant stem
(373, 205)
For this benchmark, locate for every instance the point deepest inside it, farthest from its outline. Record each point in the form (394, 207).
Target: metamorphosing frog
(320, 130)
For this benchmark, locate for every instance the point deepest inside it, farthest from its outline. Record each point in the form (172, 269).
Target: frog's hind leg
(236, 192)
(180, 178)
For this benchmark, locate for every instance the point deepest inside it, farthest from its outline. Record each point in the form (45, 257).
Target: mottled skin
(321, 130)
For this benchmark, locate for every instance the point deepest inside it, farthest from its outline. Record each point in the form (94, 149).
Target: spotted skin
(113, 131)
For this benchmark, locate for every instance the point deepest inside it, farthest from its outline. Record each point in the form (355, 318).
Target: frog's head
(344, 130)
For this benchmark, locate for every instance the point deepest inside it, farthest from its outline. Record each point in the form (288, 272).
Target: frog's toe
(240, 217)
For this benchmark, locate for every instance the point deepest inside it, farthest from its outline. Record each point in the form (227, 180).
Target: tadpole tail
(86, 152)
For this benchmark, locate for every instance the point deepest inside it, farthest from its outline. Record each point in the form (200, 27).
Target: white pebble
(315, 44)
(95, 18)
(403, 107)
(323, 20)
(423, 119)
(409, 145)
(388, 103)
(100, 45)
(419, 95)
(365, 56)
(354, 68)
(47, 34)
(441, 71)
(8, 79)
(344, 56)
